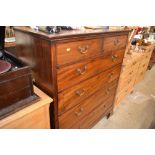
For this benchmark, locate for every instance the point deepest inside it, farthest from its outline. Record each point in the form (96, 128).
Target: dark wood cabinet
(79, 69)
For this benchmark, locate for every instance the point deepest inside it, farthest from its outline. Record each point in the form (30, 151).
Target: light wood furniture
(133, 71)
(32, 117)
(78, 68)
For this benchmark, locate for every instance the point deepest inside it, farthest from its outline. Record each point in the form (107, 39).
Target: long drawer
(124, 83)
(74, 95)
(115, 43)
(95, 115)
(127, 78)
(130, 70)
(129, 65)
(78, 50)
(70, 75)
(72, 118)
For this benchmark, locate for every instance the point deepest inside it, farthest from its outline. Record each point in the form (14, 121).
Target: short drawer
(73, 74)
(115, 43)
(72, 118)
(74, 51)
(74, 95)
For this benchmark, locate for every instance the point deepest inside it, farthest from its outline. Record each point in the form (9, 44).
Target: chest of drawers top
(70, 34)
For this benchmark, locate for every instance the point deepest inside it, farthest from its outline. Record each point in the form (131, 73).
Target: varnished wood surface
(133, 71)
(15, 87)
(37, 54)
(97, 114)
(57, 57)
(72, 33)
(74, 95)
(33, 116)
(75, 51)
(115, 43)
(72, 118)
(70, 75)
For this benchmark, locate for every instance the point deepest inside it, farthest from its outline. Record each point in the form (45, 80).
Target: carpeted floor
(137, 111)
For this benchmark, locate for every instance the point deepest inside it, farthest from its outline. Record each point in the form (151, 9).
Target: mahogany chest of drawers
(79, 69)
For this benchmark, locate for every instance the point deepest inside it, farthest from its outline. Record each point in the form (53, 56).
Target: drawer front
(129, 73)
(130, 65)
(125, 83)
(73, 74)
(75, 51)
(143, 66)
(146, 58)
(126, 73)
(71, 118)
(74, 95)
(147, 55)
(115, 43)
(96, 115)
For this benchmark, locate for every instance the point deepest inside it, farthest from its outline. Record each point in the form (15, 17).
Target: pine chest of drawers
(79, 69)
(133, 71)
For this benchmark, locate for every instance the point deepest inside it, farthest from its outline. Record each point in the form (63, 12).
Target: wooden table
(34, 116)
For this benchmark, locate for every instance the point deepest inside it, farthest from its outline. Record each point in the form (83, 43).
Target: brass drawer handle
(80, 72)
(134, 63)
(83, 49)
(79, 113)
(80, 92)
(114, 58)
(111, 75)
(68, 49)
(107, 91)
(130, 73)
(116, 42)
